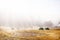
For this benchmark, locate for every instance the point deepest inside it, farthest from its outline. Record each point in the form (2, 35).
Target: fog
(13, 12)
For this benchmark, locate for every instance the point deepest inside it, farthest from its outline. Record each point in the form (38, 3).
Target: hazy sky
(29, 10)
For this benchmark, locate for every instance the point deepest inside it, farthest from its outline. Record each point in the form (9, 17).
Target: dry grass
(31, 35)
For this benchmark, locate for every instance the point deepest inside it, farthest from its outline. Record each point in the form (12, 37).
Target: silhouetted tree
(41, 29)
(46, 28)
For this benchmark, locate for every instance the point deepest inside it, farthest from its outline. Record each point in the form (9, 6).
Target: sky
(29, 10)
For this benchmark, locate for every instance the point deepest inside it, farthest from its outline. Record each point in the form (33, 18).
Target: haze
(29, 10)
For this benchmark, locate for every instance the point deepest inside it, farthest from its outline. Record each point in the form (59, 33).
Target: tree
(46, 28)
(41, 29)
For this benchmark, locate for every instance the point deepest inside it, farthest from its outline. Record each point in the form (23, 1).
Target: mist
(21, 13)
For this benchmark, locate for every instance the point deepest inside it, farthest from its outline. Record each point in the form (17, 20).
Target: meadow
(31, 35)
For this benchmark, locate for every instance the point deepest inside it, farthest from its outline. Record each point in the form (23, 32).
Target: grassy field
(31, 35)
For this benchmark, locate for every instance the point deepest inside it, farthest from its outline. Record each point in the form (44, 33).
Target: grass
(31, 35)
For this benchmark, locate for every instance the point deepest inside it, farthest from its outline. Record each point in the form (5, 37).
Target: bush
(41, 29)
(47, 28)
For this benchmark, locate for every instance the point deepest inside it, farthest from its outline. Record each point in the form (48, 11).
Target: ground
(31, 35)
